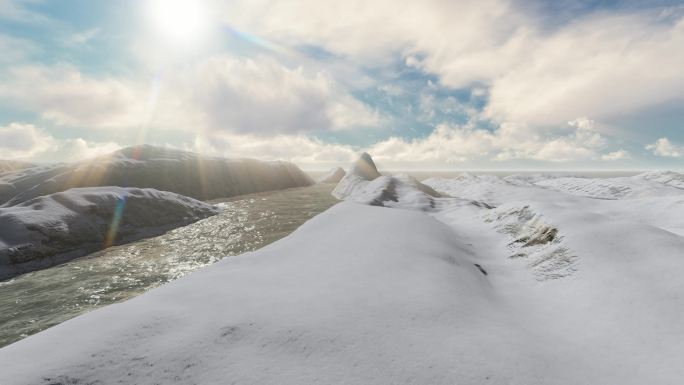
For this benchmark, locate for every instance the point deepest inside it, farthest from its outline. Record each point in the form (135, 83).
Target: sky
(433, 84)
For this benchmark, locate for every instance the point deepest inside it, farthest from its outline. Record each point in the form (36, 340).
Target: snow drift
(51, 229)
(163, 169)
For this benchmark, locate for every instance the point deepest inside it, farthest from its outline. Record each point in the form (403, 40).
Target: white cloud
(64, 96)
(20, 141)
(15, 49)
(616, 155)
(28, 142)
(220, 93)
(599, 64)
(262, 96)
(71, 150)
(454, 144)
(299, 149)
(82, 38)
(663, 147)
(16, 10)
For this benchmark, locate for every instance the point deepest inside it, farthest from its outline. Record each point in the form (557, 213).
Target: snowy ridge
(160, 168)
(657, 183)
(364, 184)
(52, 229)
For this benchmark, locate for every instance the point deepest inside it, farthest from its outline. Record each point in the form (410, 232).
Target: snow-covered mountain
(13, 165)
(332, 176)
(160, 168)
(650, 184)
(51, 229)
(364, 184)
(535, 287)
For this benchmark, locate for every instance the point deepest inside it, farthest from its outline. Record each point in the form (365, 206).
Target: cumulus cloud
(20, 141)
(616, 155)
(663, 147)
(454, 144)
(597, 64)
(299, 149)
(64, 96)
(219, 93)
(28, 142)
(250, 96)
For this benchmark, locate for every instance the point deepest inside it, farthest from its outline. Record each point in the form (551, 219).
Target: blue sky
(435, 84)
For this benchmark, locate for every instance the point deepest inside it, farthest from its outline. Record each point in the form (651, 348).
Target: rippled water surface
(38, 300)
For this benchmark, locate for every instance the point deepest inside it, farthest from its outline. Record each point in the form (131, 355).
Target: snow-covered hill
(51, 229)
(364, 184)
(13, 165)
(656, 183)
(545, 288)
(160, 168)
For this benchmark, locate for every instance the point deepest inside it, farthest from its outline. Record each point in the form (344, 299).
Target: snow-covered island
(190, 174)
(467, 280)
(53, 213)
(51, 229)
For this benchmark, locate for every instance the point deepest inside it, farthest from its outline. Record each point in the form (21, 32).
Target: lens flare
(116, 221)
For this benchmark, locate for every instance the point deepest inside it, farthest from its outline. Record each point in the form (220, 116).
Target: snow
(333, 176)
(51, 229)
(165, 169)
(545, 288)
(657, 183)
(364, 184)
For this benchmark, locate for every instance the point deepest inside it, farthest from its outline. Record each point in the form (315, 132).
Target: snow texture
(51, 229)
(545, 288)
(364, 184)
(656, 183)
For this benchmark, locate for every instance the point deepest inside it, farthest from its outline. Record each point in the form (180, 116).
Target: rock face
(52, 229)
(333, 176)
(163, 169)
(364, 184)
(365, 167)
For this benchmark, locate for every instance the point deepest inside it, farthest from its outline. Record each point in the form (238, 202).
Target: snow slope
(51, 229)
(545, 288)
(656, 183)
(160, 168)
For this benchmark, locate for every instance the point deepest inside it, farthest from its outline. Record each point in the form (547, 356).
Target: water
(35, 301)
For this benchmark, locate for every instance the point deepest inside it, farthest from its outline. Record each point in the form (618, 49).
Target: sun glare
(179, 21)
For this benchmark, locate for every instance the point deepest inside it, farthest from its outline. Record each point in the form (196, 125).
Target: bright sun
(180, 21)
